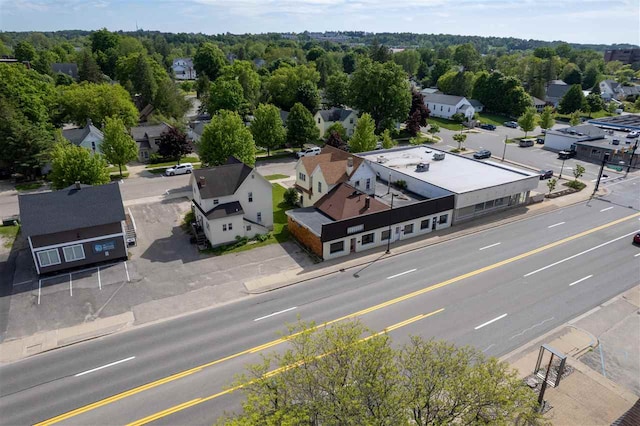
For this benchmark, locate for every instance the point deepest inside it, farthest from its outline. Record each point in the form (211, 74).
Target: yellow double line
(177, 376)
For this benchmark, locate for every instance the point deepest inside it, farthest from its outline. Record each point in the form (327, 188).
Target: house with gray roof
(183, 69)
(445, 106)
(69, 69)
(554, 92)
(147, 138)
(230, 201)
(325, 118)
(89, 137)
(74, 227)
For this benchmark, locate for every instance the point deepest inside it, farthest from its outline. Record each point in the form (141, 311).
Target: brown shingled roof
(330, 154)
(344, 201)
(334, 172)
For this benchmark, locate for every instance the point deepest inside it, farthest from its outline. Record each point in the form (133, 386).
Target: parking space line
(580, 280)
(557, 224)
(70, 285)
(604, 210)
(127, 271)
(490, 321)
(99, 281)
(636, 255)
(401, 274)
(492, 245)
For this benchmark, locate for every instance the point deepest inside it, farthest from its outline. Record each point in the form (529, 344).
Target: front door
(353, 245)
(433, 224)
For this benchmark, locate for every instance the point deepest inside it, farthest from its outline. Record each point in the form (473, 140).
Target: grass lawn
(280, 232)
(276, 176)
(273, 156)
(599, 114)
(8, 235)
(173, 163)
(28, 186)
(261, 152)
(447, 124)
(115, 169)
(495, 119)
(116, 175)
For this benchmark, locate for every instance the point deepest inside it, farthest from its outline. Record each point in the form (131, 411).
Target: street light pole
(633, 152)
(604, 161)
(561, 168)
(504, 152)
(390, 219)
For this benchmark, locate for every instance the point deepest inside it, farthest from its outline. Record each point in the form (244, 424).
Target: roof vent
(422, 167)
(202, 182)
(438, 156)
(78, 186)
(381, 159)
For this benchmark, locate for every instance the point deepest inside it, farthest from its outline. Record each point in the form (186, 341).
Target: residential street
(496, 290)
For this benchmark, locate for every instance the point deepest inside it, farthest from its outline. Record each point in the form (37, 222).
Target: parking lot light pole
(504, 152)
(390, 219)
(633, 152)
(605, 159)
(562, 168)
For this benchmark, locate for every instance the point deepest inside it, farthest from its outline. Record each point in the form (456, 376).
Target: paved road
(524, 270)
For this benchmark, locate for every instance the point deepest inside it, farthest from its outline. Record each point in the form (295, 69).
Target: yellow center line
(279, 370)
(259, 348)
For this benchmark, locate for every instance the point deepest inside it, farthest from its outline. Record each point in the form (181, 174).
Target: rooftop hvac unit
(381, 159)
(438, 156)
(422, 167)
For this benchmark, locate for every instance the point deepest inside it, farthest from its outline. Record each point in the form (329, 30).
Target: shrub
(402, 184)
(156, 158)
(188, 219)
(262, 237)
(291, 197)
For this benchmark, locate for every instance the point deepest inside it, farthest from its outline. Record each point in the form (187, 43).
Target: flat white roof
(455, 173)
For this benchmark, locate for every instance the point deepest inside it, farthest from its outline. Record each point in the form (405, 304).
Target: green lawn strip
(575, 184)
(447, 124)
(280, 232)
(28, 186)
(8, 235)
(173, 163)
(273, 156)
(113, 169)
(116, 175)
(276, 176)
(495, 119)
(263, 152)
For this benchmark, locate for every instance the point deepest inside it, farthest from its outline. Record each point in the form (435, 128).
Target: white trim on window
(48, 257)
(73, 253)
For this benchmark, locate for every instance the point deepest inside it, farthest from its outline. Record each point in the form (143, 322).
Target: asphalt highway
(495, 289)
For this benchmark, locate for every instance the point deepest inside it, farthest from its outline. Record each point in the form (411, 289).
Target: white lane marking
(39, 290)
(604, 210)
(580, 280)
(275, 313)
(579, 254)
(99, 281)
(133, 221)
(530, 328)
(636, 255)
(489, 322)
(624, 181)
(70, 285)
(492, 245)
(127, 271)
(557, 224)
(104, 366)
(402, 273)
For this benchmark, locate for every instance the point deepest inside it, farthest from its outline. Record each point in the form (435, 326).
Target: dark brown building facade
(626, 56)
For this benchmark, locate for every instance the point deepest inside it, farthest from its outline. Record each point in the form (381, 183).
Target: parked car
(180, 169)
(636, 238)
(309, 152)
(545, 174)
(633, 134)
(483, 153)
(540, 141)
(511, 124)
(615, 142)
(565, 155)
(487, 126)
(525, 142)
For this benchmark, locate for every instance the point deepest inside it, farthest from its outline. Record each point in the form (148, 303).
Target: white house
(89, 137)
(232, 200)
(325, 118)
(317, 175)
(183, 69)
(445, 106)
(610, 89)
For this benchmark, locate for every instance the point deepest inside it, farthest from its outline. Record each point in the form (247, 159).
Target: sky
(574, 21)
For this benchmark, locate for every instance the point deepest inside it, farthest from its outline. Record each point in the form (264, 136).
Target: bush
(401, 184)
(188, 219)
(186, 86)
(262, 237)
(291, 197)
(155, 158)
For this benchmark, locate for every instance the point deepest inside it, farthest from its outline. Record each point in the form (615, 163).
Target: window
(354, 229)
(479, 207)
(72, 253)
(449, 109)
(336, 247)
(318, 120)
(357, 183)
(368, 183)
(440, 107)
(48, 257)
(259, 217)
(224, 226)
(230, 226)
(489, 204)
(93, 146)
(319, 186)
(351, 121)
(302, 176)
(248, 227)
(251, 197)
(215, 202)
(385, 235)
(500, 201)
(443, 218)
(424, 224)
(368, 238)
(408, 229)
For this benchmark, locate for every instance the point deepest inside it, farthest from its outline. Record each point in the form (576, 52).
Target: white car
(633, 134)
(180, 169)
(309, 152)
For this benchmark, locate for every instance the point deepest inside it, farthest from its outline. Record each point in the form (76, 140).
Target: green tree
(338, 128)
(572, 101)
(408, 59)
(284, 85)
(173, 143)
(104, 44)
(97, 102)
(528, 120)
(88, 69)
(433, 129)
(574, 118)
(460, 138)
(337, 90)
(578, 171)
(364, 136)
(291, 197)
(314, 53)
(71, 163)
(308, 95)
(551, 184)
(382, 90)
(301, 128)
(226, 136)
(467, 56)
(547, 118)
(344, 374)
(24, 51)
(592, 75)
(387, 141)
(226, 94)
(267, 128)
(143, 73)
(244, 73)
(209, 60)
(118, 147)
(594, 102)
(625, 74)
(349, 62)
(327, 65)
(456, 83)
(30, 93)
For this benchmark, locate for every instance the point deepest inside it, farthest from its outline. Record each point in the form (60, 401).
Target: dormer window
(215, 202)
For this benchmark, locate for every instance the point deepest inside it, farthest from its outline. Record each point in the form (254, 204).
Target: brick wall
(306, 237)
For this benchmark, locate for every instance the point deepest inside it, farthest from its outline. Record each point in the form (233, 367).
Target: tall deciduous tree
(337, 90)
(209, 60)
(226, 94)
(88, 69)
(97, 102)
(118, 147)
(574, 118)
(24, 51)
(594, 102)
(528, 120)
(387, 141)
(572, 101)
(460, 138)
(226, 136)
(409, 60)
(173, 143)
(267, 128)
(364, 136)
(344, 374)
(467, 56)
(382, 90)
(301, 128)
(244, 73)
(284, 85)
(71, 163)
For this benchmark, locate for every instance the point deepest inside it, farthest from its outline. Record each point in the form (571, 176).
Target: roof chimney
(78, 185)
(202, 182)
(349, 166)
(367, 203)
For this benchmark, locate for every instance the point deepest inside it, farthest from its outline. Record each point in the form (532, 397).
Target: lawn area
(599, 114)
(115, 169)
(261, 152)
(280, 232)
(447, 124)
(495, 119)
(173, 163)
(28, 186)
(273, 156)
(8, 235)
(276, 176)
(116, 175)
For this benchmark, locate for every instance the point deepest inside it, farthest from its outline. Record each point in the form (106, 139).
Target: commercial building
(565, 139)
(625, 123)
(626, 56)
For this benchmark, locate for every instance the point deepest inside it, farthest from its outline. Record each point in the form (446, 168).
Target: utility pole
(504, 152)
(604, 161)
(633, 152)
(390, 219)
(561, 168)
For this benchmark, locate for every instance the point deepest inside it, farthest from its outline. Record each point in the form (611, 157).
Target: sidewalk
(585, 396)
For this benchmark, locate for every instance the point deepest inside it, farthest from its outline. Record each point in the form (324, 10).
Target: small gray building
(76, 226)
